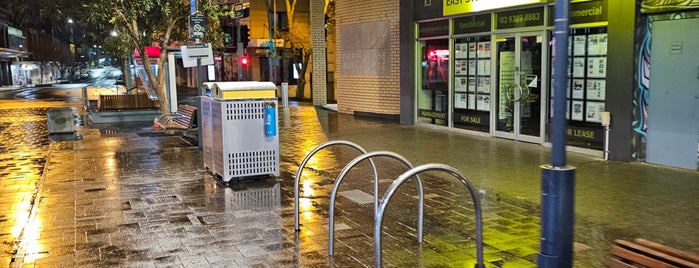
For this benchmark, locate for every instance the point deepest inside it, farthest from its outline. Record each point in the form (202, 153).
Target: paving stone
(129, 196)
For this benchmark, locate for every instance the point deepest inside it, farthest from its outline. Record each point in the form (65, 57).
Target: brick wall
(319, 71)
(359, 91)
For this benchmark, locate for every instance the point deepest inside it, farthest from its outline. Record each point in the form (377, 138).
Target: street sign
(192, 7)
(241, 10)
(197, 26)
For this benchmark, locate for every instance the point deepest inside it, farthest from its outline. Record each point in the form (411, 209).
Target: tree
(153, 22)
(300, 43)
(45, 49)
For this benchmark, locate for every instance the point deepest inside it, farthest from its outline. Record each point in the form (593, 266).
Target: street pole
(270, 45)
(239, 50)
(557, 178)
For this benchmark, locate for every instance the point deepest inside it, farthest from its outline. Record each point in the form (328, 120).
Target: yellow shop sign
(454, 7)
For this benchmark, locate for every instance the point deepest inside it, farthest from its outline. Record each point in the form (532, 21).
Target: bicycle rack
(413, 172)
(308, 157)
(346, 169)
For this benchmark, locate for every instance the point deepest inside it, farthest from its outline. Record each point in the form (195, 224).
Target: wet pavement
(128, 195)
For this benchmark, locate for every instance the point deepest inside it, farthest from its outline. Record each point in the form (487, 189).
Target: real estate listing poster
(471, 84)
(484, 50)
(483, 85)
(594, 111)
(472, 50)
(597, 67)
(579, 45)
(483, 102)
(460, 50)
(596, 89)
(579, 67)
(577, 110)
(578, 88)
(483, 67)
(597, 44)
(460, 67)
(461, 84)
(460, 101)
(471, 101)
(472, 67)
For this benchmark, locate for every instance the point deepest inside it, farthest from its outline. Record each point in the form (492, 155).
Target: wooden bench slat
(639, 258)
(691, 258)
(123, 102)
(185, 115)
(656, 254)
(616, 263)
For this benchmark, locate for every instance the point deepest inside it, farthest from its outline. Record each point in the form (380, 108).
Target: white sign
(191, 53)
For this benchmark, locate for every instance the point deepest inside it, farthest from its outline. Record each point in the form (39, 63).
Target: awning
(12, 53)
(153, 52)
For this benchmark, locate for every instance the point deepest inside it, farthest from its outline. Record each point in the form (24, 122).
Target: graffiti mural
(640, 124)
(655, 6)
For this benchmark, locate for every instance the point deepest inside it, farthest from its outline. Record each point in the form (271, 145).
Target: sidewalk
(131, 196)
(10, 88)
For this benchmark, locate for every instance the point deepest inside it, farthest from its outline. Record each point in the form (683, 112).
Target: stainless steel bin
(236, 125)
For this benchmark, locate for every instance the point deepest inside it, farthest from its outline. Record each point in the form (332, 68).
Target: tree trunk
(301, 85)
(126, 73)
(301, 82)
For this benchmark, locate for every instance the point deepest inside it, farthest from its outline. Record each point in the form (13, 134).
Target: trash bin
(60, 120)
(239, 130)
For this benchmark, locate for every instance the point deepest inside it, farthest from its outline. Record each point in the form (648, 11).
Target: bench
(125, 102)
(184, 118)
(644, 253)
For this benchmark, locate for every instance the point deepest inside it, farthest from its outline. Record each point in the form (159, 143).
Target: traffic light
(229, 36)
(244, 61)
(244, 35)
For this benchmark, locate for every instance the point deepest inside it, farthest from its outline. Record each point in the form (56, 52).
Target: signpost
(197, 26)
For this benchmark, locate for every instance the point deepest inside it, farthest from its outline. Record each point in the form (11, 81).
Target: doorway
(673, 117)
(519, 75)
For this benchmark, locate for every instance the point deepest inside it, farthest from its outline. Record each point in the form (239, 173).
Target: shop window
(585, 101)
(432, 99)
(472, 83)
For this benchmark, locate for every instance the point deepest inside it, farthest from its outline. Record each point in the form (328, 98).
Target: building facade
(13, 49)
(486, 69)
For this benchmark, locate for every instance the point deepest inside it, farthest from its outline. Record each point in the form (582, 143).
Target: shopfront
(488, 70)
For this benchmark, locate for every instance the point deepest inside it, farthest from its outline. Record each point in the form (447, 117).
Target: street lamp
(70, 21)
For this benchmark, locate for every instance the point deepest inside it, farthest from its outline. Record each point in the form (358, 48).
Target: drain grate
(167, 199)
(212, 219)
(98, 189)
(358, 196)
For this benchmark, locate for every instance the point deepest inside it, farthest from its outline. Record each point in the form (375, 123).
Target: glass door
(519, 82)
(432, 101)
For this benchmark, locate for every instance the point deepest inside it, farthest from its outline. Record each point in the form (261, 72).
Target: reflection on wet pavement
(126, 195)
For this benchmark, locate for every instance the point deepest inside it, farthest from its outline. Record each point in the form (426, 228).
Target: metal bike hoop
(413, 172)
(303, 165)
(343, 173)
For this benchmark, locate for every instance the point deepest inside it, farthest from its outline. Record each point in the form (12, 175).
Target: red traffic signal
(245, 61)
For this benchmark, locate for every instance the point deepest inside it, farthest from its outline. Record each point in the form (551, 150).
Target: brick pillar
(319, 85)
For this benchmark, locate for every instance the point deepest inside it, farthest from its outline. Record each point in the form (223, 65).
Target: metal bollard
(285, 94)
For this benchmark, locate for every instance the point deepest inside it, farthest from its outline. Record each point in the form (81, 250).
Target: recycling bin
(60, 120)
(240, 130)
